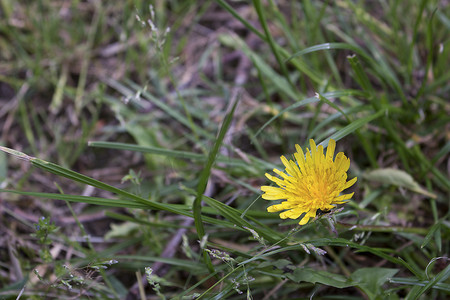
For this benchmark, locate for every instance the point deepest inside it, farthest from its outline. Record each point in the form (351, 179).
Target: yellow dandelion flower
(312, 182)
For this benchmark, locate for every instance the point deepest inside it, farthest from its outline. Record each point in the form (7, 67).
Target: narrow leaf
(398, 178)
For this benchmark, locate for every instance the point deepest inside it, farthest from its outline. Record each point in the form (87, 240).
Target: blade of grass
(165, 152)
(414, 38)
(361, 76)
(365, 143)
(262, 20)
(235, 216)
(416, 282)
(350, 128)
(333, 117)
(330, 46)
(203, 181)
(442, 276)
(337, 242)
(187, 264)
(280, 82)
(334, 94)
(435, 228)
(179, 209)
(160, 104)
(300, 65)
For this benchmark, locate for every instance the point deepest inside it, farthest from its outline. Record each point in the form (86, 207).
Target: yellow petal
(342, 198)
(286, 163)
(330, 149)
(291, 214)
(281, 174)
(314, 151)
(350, 183)
(275, 208)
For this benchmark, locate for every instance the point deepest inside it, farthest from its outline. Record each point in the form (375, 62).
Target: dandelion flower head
(314, 181)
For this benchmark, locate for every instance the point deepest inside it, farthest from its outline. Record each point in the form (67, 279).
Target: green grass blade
(336, 242)
(335, 94)
(203, 181)
(179, 209)
(280, 82)
(235, 14)
(83, 199)
(420, 283)
(165, 152)
(422, 5)
(330, 46)
(442, 276)
(160, 104)
(367, 147)
(262, 19)
(435, 228)
(235, 217)
(333, 117)
(360, 76)
(350, 128)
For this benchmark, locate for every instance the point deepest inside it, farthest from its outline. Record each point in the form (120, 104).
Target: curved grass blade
(335, 116)
(366, 145)
(160, 104)
(416, 282)
(329, 46)
(279, 82)
(350, 128)
(442, 276)
(334, 94)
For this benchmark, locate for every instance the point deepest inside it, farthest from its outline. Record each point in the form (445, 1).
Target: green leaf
(124, 229)
(279, 264)
(371, 280)
(398, 178)
(315, 276)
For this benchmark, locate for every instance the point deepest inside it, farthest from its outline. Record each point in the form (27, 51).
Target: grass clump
(186, 106)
